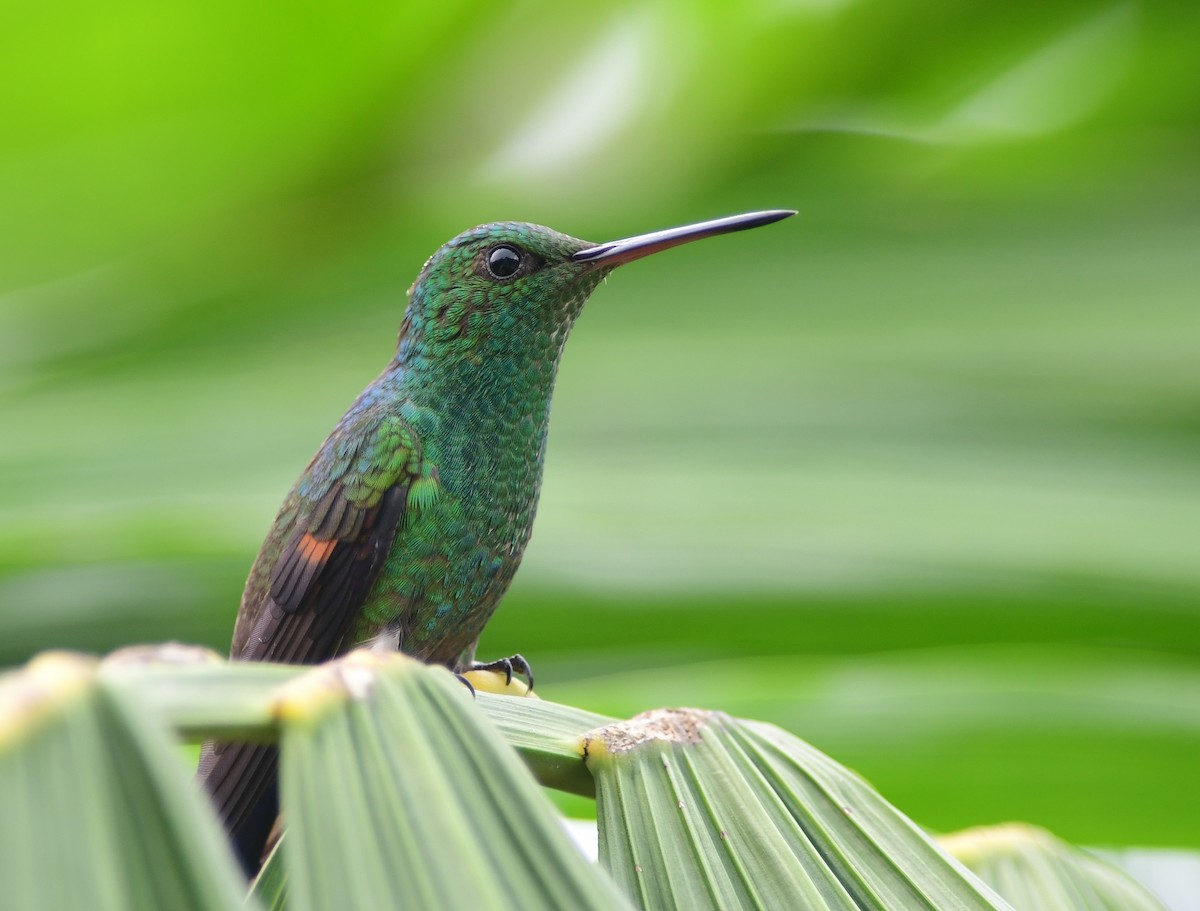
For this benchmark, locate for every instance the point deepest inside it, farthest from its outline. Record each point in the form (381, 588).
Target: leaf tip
(168, 653)
(42, 686)
(657, 726)
(350, 678)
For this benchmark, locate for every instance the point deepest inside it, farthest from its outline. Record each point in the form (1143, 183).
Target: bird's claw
(514, 664)
(467, 683)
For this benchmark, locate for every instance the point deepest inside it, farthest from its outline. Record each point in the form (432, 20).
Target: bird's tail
(241, 779)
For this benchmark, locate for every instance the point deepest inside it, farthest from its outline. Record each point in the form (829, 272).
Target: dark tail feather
(241, 780)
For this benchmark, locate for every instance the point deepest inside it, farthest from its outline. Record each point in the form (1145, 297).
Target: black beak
(617, 252)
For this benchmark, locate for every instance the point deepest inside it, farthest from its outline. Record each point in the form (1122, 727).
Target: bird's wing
(311, 577)
(328, 544)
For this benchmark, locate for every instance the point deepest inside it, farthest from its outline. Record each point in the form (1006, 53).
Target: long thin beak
(616, 252)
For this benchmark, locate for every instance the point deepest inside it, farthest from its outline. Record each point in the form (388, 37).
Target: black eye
(503, 262)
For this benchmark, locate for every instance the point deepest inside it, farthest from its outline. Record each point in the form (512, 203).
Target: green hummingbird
(408, 525)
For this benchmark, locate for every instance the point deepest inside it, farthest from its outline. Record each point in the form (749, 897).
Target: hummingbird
(407, 526)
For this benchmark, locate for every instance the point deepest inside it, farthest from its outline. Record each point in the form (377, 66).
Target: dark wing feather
(303, 597)
(317, 586)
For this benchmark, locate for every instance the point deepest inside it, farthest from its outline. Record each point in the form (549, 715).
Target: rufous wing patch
(312, 550)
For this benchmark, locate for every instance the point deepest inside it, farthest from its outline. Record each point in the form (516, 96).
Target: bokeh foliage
(913, 474)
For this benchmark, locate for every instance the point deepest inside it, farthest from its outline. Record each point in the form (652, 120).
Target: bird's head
(514, 289)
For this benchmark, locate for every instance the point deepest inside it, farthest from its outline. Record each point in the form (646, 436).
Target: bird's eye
(503, 261)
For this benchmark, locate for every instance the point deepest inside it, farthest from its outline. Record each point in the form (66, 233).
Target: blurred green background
(915, 474)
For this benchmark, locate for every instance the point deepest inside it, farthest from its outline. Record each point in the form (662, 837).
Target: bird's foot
(486, 676)
(514, 664)
(462, 678)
